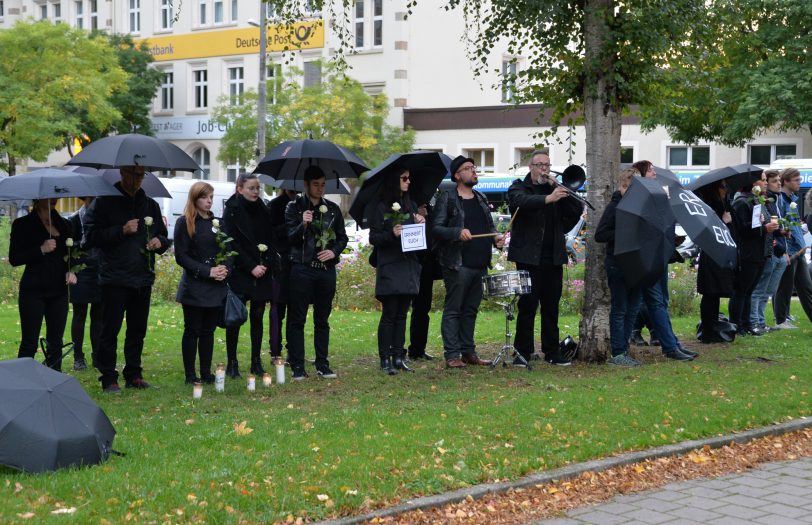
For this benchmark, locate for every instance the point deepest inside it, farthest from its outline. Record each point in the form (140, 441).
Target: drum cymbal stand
(508, 350)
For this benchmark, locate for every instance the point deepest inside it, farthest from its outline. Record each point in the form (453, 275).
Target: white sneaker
(786, 325)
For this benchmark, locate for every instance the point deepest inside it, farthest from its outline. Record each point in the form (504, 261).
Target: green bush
(682, 288)
(167, 276)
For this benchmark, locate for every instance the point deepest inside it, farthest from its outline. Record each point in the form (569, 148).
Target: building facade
(208, 52)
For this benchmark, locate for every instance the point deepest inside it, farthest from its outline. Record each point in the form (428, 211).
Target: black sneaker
(558, 360)
(325, 372)
(112, 388)
(299, 374)
(520, 362)
(79, 364)
(137, 383)
(676, 355)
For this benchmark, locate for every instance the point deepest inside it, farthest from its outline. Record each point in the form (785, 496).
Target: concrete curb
(571, 471)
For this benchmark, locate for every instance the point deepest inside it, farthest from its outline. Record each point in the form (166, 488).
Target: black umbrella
(644, 232)
(426, 168)
(667, 176)
(47, 420)
(132, 149)
(734, 176)
(290, 159)
(53, 183)
(704, 227)
(298, 185)
(151, 184)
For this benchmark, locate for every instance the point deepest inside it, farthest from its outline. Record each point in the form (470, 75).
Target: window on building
(368, 16)
(168, 91)
(201, 88)
(626, 154)
(219, 16)
(43, 12)
(312, 73)
(359, 23)
(234, 12)
(683, 156)
(94, 14)
(2, 9)
(236, 85)
(484, 159)
(167, 14)
(232, 170)
(135, 16)
(80, 14)
(509, 70)
(203, 158)
(521, 157)
(202, 7)
(765, 154)
(57, 12)
(377, 23)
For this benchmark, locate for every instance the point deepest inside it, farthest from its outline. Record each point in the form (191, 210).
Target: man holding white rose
(129, 231)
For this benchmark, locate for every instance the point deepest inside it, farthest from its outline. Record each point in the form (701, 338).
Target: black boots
(387, 366)
(256, 366)
(397, 360)
(233, 369)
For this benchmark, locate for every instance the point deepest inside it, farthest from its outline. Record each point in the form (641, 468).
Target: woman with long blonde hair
(202, 287)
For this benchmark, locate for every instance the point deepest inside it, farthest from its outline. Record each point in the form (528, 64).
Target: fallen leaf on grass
(66, 510)
(26, 515)
(241, 429)
(322, 497)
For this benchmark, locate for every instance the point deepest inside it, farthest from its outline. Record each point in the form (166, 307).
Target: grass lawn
(332, 447)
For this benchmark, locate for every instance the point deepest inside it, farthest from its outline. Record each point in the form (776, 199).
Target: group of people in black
(285, 253)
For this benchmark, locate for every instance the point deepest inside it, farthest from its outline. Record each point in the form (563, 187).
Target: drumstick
(494, 234)
(510, 224)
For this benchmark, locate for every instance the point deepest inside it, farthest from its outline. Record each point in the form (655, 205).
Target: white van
(172, 208)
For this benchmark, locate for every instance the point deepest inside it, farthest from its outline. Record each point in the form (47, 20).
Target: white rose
(756, 190)
(148, 220)
(215, 223)
(395, 206)
(215, 229)
(793, 205)
(69, 241)
(323, 208)
(262, 248)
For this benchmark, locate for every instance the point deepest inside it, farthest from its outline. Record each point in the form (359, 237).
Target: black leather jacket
(303, 239)
(448, 220)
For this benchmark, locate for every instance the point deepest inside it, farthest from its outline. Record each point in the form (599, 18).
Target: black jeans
(199, 323)
(34, 306)
(392, 326)
(309, 286)
(421, 306)
(118, 302)
(77, 329)
(709, 311)
(463, 293)
(256, 316)
(795, 276)
(746, 280)
(276, 316)
(545, 292)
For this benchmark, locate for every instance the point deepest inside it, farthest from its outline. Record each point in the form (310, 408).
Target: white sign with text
(413, 237)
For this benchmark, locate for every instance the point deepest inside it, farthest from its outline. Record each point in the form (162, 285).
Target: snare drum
(502, 284)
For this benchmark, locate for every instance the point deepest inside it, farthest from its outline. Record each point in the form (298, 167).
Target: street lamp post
(263, 78)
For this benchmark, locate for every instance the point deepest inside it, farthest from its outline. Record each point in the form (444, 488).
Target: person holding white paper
(397, 278)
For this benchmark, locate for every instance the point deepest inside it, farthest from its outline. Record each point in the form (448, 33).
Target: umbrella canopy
(47, 420)
(290, 159)
(132, 149)
(644, 232)
(426, 168)
(151, 184)
(704, 227)
(667, 176)
(734, 176)
(341, 188)
(53, 183)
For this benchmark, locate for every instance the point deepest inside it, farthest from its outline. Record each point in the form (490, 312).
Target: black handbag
(233, 312)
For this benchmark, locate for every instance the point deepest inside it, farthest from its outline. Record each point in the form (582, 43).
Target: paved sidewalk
(775, 493)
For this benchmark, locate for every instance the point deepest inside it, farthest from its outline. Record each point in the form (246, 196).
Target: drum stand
(508, 349)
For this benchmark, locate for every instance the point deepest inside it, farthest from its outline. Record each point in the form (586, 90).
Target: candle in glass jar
(252, 383)
(220, 378)
(197, 391)
(266, 379)
(280, 371)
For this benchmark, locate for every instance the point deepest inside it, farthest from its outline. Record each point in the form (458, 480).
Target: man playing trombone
(545, 211)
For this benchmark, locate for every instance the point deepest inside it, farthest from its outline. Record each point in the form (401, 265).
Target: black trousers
(795, 276)
(746, 280)
(276, 315)
(546, 287)
(463, 293)
(309, 286)
(256, 316)
(77, 329)
(120, 301)
(421, 306)
(34, 306)
(392, 326)
(709, 310)
(199, 323)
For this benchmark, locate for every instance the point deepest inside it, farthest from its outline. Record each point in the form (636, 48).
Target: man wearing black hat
(460, 215)
(537, 245)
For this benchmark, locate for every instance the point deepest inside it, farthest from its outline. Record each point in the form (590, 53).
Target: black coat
(712, 278)
(754, 244)
(87, 289)
(196, 255)
(605, 232)
(237, 223)
(124, 260)
(280, 231)
(447, 220)
(397, 273)
(43, 272)
(303, 239)
(529, 226)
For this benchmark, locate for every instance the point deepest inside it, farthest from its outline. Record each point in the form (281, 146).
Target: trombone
(572, 178)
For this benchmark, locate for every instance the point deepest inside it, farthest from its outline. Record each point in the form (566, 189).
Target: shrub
(682, 287)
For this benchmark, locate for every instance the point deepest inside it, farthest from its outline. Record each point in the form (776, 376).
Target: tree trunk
(603, 121)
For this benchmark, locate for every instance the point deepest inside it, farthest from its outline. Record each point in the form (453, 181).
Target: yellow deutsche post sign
(281, 37)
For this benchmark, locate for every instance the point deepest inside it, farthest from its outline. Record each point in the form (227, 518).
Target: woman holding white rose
(38, 242)
(397, 279)
(247, 220)
(202, 287)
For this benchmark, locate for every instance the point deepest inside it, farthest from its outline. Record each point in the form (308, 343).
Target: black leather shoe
(676, 355)
(756, 331)
(686, 351)
(388, 367)
(256, 367)
(421, 355)
(190, 380)
(637, 339)
(398, 364)
(654, 341)
(233, 369)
